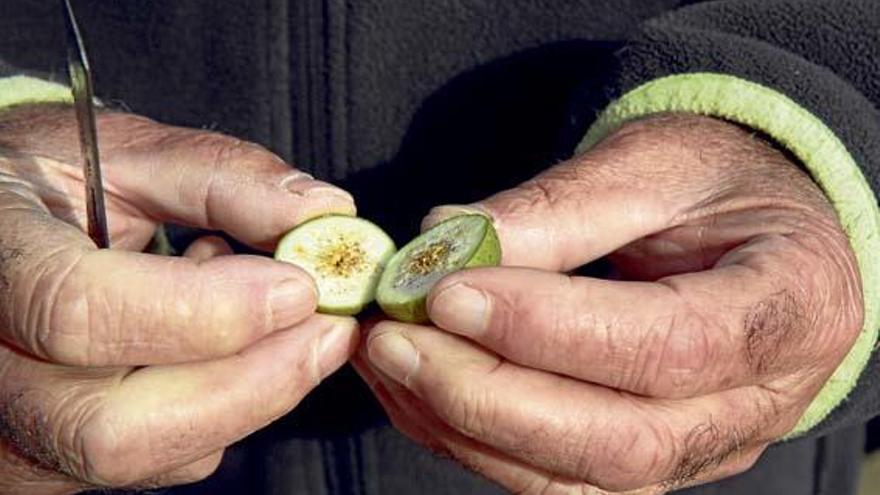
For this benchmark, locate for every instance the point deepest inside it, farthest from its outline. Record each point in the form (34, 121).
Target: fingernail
(328, 191)
(460, 309)
(290, 181)
(335, 347)
(394, 354)
(445, 212)
(303, 184)
(290, 301)
(323, 198)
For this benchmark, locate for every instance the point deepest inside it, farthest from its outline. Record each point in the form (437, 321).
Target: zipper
(318, 96)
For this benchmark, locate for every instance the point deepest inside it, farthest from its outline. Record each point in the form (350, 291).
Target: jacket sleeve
(806, 73)
(20, 87)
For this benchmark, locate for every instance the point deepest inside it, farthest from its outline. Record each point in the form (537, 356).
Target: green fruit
(460, 242)
(345, 255)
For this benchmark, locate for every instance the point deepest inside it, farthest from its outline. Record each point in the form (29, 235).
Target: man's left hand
(738, 297)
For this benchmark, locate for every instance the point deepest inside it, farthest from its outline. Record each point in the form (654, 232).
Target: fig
(459, 242)
(345, 255)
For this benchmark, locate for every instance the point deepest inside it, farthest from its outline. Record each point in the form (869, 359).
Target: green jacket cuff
(18, 90)
(822, 154)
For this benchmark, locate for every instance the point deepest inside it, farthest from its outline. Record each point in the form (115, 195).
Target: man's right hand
(119, 368)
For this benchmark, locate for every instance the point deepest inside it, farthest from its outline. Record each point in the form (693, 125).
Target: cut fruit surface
(460, 242)
(345, 255)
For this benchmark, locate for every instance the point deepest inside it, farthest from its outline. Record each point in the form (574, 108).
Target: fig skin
(414, 309)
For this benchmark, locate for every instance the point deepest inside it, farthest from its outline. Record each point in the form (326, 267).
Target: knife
(81, 86)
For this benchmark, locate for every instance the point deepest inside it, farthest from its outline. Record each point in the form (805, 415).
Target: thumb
(568, 215)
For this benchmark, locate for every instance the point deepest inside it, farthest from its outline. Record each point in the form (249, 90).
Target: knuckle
(303, 376)
(559, 325)
(554, 190)
(228, 152)
(207, 322)
(218, 327)
(817, 310)
(631, 456)
(201, 197)
(68, 344)
(12, 257)
(677, 349)
(212, 192)
(567, 319)
(851, 316)
(770, 325)
(102, 450)
(707, 447)
(63, 315)
(841, 284)
(129, 129)
(470, 410)
(73, 422)
(684, 355)
(775, 409)
(530, 195)
(507, 314)
(222, 149)
(544, 192)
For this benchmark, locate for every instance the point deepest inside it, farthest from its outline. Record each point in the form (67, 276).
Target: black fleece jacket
(411, 103)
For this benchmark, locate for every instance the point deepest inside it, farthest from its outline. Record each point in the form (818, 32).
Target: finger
(578, 430)
(212, 405)
(67, 302)
(415, 420)
(750, 320)
(519, 477)
(189, 176)
(119, 427)
(646, 177)
(207, 247)
(218, 182)
(699, 243)
(572, 213)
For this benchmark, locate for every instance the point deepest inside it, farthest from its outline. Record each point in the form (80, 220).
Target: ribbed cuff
(18, 90)
(821, 153)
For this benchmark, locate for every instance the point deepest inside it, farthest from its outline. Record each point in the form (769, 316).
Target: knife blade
(83, 96)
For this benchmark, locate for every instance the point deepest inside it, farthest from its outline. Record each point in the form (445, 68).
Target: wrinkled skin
(124, 369)
(737, 298)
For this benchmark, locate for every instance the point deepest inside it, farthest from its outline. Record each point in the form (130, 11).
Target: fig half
(460, 242)
(345, 255)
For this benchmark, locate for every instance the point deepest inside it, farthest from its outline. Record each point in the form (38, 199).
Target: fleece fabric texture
(410, 103)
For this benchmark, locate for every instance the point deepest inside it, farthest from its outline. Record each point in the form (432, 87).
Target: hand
(740, 298)
(119, 368)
